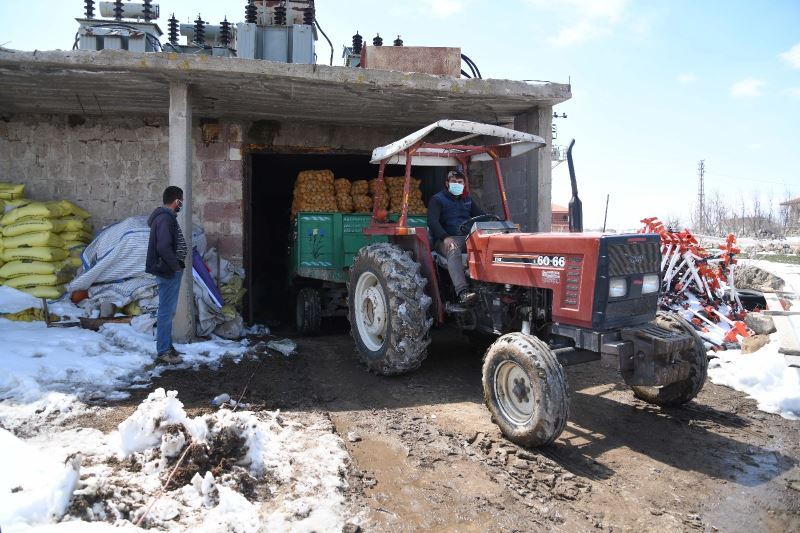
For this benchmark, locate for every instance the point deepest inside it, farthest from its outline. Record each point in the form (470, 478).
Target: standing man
(166, 256)
(447, 210)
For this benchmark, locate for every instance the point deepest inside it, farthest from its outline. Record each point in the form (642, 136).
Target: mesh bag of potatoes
(344, 199)
(395, 187)
(314, 191)
(374, 187)
(359, 188)
(362, 203)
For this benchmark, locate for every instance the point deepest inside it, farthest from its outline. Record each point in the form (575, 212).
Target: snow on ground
(764, 374)
(243, 471)
(260, 472)
(88, 364)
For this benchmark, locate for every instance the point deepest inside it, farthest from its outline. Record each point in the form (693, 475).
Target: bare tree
(784, 211)
(756, 219)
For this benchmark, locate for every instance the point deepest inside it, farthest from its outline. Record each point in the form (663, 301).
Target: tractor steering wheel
(463, 228)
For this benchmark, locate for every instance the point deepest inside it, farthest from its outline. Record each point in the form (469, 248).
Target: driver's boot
(467, 297)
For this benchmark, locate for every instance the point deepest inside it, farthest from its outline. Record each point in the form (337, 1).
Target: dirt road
(427, 456)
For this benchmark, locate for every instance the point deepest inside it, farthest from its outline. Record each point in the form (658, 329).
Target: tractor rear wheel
(308, 311)
(525, 389)
(680, 392)
(388, 309)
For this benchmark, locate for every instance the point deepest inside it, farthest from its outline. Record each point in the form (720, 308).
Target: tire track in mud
(530, 478)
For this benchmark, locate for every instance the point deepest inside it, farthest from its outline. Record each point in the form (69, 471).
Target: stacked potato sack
(344, 199)
(376, 186)
(415, 204)
(36, 242)
(313, 191)
(362, 202)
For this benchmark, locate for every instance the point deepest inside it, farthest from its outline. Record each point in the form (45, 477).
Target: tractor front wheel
(525, 389)
(680, 392)
(388, 309)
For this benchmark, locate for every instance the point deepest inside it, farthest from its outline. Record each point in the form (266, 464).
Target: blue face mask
(455, 188)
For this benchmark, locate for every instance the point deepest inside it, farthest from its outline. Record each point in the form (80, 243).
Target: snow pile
(15, 301)
(238, 471)
(36, 486)
(87, 364)
(762, 375)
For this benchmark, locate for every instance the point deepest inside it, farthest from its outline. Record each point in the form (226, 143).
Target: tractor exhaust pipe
(575, 205)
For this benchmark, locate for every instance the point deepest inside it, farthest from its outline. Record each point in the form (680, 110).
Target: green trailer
(323, 246)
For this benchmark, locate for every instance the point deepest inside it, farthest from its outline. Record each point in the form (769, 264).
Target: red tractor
(551, 299)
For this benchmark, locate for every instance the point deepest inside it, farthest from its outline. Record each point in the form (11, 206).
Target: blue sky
(657, 86)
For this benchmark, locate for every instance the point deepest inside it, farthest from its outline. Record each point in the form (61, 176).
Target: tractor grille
(633, 258)
(638, 307)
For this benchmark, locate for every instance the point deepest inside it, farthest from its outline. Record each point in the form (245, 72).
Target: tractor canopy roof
(450, 153)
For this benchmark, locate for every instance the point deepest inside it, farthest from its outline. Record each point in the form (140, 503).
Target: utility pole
(701, 197)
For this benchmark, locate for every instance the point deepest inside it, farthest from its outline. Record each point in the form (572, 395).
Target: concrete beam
(540, 192)
(180, 174)
(121, 82)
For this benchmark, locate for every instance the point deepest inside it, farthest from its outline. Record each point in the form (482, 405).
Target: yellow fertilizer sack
(72, 209)
(37, 280)
(15, 269)
(2, 206)
(80, 236)
(46, 291)
(39, 238)
(39, 253)
(132, 309)
(19, 202)
(11, 191)
(31, 225)
(73, 223)
(29, 315)
(35, 210)
(74, 246)
(74, 262)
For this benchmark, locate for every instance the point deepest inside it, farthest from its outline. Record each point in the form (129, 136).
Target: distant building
(560, 218)
(793, 205)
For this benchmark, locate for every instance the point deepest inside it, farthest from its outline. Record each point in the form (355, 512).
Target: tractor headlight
(617, 287)
(650, 283)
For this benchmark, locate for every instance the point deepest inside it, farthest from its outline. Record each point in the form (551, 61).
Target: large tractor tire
(680, 392)
(525, 389)
(308, 311)
(388, 310)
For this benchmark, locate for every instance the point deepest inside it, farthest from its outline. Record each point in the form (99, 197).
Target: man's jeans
(452, 248)
(168, 289)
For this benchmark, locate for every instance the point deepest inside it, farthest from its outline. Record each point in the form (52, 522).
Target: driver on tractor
(447, 211)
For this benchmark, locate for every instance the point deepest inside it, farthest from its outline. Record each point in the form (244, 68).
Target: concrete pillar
(180, 174)
(538, 193)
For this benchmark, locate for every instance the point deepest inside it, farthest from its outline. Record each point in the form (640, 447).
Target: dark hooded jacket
(446, 213)
(162, 258)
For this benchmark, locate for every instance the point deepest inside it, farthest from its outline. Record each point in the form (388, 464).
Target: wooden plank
(787, 336)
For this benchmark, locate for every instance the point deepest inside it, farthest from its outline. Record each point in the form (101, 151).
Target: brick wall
(118, 167)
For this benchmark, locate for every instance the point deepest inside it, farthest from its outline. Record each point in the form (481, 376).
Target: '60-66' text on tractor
(551, 299)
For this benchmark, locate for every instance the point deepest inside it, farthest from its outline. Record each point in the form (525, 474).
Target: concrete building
(792, 213)
(110, 129)
(560, 218)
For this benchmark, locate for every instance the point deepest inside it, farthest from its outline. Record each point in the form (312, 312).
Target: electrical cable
(465, 74)
(316, 22)
(471, 68)
(472, 65)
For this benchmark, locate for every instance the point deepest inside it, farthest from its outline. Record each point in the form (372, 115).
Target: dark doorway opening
(272, 177)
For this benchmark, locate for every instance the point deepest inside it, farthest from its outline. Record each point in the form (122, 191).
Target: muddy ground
(426, 455)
